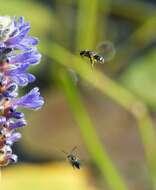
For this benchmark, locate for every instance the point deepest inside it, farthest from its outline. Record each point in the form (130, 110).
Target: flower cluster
(17, 53)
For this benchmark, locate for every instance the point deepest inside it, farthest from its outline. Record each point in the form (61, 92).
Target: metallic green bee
(72, 158)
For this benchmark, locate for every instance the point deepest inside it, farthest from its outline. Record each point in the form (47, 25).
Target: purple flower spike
(19, 38)
(32, 100)
(13, 138)
(31, 58)
(2, 120)
(17, 124)
(13, 158)
(14, 35)
(20, 75)
(17, 115)
(11, 90)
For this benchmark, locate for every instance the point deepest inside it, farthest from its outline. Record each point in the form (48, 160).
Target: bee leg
(73, 166)
(92, 60)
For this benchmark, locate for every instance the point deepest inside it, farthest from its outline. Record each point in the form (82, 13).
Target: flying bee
(93, 56)
(105, 51)
(72, 158)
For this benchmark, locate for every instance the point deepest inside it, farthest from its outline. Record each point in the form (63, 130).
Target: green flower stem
(86, 9)
(120, 95)
(95, 148)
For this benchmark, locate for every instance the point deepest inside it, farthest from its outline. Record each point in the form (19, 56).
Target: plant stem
(96, 149)
(86, 9)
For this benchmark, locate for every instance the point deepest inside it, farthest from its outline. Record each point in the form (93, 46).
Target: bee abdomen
(99, 58)
(77, 165)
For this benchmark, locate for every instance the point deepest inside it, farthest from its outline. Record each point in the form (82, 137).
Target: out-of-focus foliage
(40, 17)
(46, 177)
(140, 78)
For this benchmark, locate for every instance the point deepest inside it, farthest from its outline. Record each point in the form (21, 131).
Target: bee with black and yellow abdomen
(93, 56)
(105, 52)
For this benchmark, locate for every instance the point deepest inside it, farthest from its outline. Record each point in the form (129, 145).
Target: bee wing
(82, 163)
(64, 152)
(106, 49)
(73, 149)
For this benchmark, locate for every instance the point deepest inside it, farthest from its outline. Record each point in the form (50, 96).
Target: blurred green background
(106, 113)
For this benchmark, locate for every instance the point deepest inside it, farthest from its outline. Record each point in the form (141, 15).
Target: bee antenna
(64, 152)
(75, 147)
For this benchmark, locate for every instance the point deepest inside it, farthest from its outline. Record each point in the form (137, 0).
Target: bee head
(82, 53)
